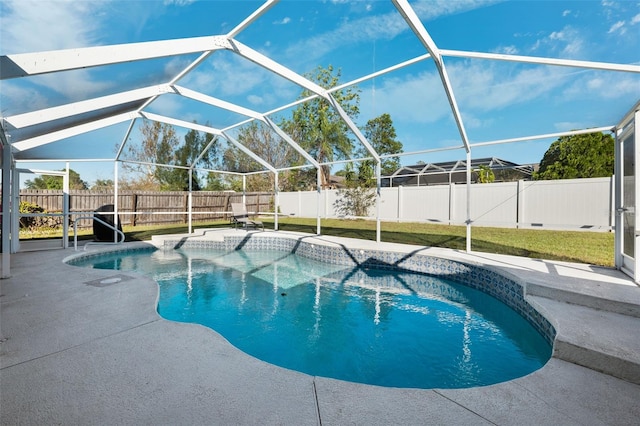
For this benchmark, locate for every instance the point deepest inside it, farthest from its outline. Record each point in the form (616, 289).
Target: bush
(355, 201)
(33, 223)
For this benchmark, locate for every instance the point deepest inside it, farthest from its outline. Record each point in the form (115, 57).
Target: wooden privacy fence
(149, 207)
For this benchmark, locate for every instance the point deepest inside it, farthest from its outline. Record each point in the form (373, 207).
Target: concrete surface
(74, 351)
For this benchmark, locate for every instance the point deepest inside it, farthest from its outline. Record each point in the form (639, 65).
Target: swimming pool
(384, 326)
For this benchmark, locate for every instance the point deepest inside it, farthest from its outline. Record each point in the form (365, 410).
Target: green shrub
(26, 208)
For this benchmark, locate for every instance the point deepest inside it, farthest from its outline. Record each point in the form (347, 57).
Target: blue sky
(497, 100)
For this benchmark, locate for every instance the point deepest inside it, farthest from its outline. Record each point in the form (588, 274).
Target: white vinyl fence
(556, 204)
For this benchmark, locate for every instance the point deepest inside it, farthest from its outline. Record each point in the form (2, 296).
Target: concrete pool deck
(76, 349)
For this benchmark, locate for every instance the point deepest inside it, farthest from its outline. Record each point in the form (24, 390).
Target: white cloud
(178, 2)
(481, 90)
(618, 26)
(255, 100)
(169, 105)
(589, 85)
(283, 21)
(635, 19)
(26, 99)
(508, 50)
(34, 25)
(567, 42)
(417, 98)
(565, 126)
(566, 13)
(383, 26)
(229, 77)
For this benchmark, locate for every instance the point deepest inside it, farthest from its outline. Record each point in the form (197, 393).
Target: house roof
(460, 166)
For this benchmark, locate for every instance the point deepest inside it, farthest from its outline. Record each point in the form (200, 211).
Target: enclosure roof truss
(33, 129)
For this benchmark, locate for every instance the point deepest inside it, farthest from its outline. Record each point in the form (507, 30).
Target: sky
(497, 99)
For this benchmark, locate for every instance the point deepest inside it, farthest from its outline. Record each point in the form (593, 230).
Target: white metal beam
(271, 65)
(26, 64)
(251, 18)
(354, 128)
(546, 136)
(47, 138)
(49, 114)
(204, 151)
(210, 100)
(544, 61)
(124, 139)
(180, 75)
(420, 31)
(180, 123)
(249, 152)
(290, 141)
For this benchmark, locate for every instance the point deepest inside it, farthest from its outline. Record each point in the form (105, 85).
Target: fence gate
(45, 242)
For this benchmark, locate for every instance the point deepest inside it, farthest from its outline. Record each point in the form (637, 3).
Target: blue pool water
(385, 328)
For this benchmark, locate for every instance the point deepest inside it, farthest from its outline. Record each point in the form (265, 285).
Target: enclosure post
(378, 194)
(319, 189)
(276, 202)
(190, 203)
(115, 201)
(7, 209)
(14, 208)
(618, 174)
(451, 202)
(65, 208)
(468, 201)
(244, 190)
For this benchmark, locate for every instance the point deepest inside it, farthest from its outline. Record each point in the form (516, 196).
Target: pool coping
(38, 383)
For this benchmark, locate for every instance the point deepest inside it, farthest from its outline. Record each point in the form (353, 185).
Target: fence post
(519, 203)
(134, 208)
(400, 201)
(185, 205)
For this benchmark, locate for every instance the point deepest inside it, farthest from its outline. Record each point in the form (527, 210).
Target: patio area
(73, 352)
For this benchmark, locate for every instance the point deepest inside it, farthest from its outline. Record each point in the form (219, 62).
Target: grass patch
(594, 248)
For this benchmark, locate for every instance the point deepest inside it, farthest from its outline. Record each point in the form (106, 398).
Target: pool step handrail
(108, 225)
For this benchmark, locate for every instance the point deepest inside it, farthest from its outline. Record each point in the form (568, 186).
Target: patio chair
(241, 216)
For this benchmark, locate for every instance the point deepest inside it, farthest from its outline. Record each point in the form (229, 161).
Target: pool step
(604, 341)
(620, 299)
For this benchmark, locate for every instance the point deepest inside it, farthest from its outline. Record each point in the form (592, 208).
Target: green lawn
(584, 247)
(574, 246)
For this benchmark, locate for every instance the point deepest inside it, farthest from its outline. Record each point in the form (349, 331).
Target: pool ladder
(108, 225)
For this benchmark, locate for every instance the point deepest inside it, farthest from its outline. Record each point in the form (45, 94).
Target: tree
(160, 145)
(102, 185)
(359, 194)
(263, 142)
(177, 179)
(56, 182)
(485, 174)
(381, 134)
(578, 156)
(318, 127)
